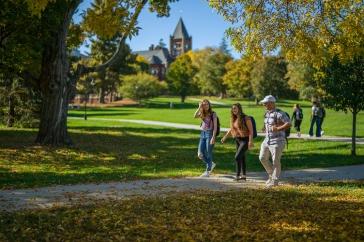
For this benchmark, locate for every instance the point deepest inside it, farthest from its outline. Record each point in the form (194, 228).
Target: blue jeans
(205, 148)
(316, 120)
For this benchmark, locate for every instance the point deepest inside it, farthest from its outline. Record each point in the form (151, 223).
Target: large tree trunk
(102, 95)
(353, 136)
(54, 83)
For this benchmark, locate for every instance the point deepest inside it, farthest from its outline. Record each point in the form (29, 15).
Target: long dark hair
(204, 113)
(240, 116)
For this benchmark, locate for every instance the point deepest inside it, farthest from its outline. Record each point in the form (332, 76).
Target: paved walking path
(359, 141)
(66, 195)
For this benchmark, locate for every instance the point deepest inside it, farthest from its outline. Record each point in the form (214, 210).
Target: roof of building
(180, 31)
(156, 56)
(155, 60)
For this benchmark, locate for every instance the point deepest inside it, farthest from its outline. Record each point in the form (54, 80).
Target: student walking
(207, 136)
(241, 128)
(297, 117)
(316, 115)
(275, 124)
(323, 115)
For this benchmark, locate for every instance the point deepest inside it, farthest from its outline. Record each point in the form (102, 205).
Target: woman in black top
(297, 116)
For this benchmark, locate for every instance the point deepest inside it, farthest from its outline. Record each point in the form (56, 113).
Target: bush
(141, 86)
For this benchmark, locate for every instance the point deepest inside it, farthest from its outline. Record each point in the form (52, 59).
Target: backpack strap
(276, 123)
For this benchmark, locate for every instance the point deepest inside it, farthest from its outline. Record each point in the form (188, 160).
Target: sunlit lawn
(114, 151)
(336, 123)
(316, 212)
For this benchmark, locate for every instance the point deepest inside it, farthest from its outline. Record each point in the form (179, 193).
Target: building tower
(180, 42)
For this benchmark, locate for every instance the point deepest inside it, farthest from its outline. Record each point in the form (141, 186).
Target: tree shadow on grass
(114, 153)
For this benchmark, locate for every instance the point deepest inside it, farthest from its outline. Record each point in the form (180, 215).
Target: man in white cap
(275, 124)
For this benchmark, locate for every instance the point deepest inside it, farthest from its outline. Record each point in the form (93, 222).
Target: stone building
(160, 58)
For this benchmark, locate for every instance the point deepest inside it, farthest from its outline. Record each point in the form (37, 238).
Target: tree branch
(81, 70)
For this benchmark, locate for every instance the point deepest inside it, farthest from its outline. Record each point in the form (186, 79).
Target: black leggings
(241, 148)
(297, 125)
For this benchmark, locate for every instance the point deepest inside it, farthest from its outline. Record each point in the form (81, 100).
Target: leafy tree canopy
(312, 31)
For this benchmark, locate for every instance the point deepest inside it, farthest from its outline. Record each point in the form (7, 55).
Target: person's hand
(223, 139)
(199, 105)
(250, 145)
(212, 141)
(274, 128)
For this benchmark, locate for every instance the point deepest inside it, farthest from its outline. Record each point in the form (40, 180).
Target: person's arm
(284, 126)
(225, 136)
(250, 128)
(214, 119)
(198, 111)
(285, 121)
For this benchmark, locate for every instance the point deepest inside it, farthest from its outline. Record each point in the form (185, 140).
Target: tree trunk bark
(54, 83)
(102, 95)
(353, 136)
(183, 99)
(11, 115)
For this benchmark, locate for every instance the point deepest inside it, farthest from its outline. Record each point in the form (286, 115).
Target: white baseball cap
(268, 99)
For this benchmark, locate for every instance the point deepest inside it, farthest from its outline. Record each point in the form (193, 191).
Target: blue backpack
(255, 133)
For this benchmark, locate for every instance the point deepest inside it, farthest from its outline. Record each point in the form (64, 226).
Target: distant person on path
(208, 135)
(275, 124)
(316, 115)
(241, 128)
(323, 112)
(297, 117)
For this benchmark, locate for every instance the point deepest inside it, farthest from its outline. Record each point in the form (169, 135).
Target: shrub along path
(59, 196)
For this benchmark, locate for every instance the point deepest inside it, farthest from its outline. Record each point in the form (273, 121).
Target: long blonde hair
(240, 116)
(204, 113)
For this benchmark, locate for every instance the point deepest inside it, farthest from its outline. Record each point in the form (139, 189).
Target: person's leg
(313, 120)
(321, 121)
(298, 123)
(276, 151)
(238, 162)
(264, 158)
(318, 127)
(209, 149)
(202, 149)
(240, 153)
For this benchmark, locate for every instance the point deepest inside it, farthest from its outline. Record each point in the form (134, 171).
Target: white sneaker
(213, 166)
(205, 174)
(273, 183)
(322, 132)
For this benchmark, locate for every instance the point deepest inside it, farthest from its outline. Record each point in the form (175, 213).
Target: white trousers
(273, 169)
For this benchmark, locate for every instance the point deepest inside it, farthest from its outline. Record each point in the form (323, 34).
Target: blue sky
(204, 25)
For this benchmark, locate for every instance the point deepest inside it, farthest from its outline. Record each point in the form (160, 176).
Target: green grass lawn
(114, 151)
(316, 212)
(157, 109)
